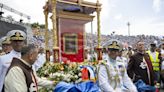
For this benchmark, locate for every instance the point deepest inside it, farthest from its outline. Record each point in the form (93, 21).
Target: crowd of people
(138, 64)
(16, 65)
(91, 39)
(118, 71)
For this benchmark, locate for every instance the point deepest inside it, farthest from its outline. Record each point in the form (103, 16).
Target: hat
(5, 40)
(153, 44)
(130, 46)
(16, 35)
(113, 44)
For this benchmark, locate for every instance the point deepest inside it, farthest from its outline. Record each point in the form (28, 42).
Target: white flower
(76, 76)
(43, 78)
(76, 81)
(68, 80)
(62, 72)
(65, 78)
(46, 71)
(62, 75)
(50, 75)
(51, 63)
(78, 68)
(80, 79)
(62, 62)
(58, 74)
(70, 72)
(79, 74)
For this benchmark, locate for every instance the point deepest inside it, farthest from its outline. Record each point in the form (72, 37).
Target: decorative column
(54, 21)
(99, 48)
(46, 35)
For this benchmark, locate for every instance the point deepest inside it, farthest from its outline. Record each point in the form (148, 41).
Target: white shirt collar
(111, 61)
(25, 62)
(18, 54)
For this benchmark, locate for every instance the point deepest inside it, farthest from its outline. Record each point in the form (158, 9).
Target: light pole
(128, 24)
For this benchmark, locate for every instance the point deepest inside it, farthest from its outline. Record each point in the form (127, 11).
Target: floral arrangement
(69, 72)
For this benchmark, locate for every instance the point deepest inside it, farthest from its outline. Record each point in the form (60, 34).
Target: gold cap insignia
(17, 34)
(6, 41)
(114, 45)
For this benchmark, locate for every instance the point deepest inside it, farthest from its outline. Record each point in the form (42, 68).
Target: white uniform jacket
(112, 77)
(5, 62)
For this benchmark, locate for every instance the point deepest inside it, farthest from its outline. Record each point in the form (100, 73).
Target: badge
(143, 65)
(32, 88)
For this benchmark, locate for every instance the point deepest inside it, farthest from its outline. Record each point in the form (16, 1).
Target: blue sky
(145, 16)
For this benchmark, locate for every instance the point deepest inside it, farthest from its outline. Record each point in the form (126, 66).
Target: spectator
(155, 60)
(140, 66)
(20, 76)
(6, 45)
(17, 38)
(40, 60)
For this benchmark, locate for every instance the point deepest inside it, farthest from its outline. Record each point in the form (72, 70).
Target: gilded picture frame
(70, 43)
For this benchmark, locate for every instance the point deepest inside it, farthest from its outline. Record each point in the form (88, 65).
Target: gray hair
(28, 49)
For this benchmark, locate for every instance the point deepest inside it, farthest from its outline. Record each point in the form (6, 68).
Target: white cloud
(118, 17)
(33, 8)
(143, 26)
(105, 16)
(156, 5)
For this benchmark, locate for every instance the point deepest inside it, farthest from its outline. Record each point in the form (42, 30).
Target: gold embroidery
(17, 34)
(114, 45)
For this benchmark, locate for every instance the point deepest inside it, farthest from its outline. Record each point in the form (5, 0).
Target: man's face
(17, 45)
(140, 46)
(6, 48)
(153, 47)
(120, 53)
(41, 50)
(33, 56)
(163, 46)
(113, 53)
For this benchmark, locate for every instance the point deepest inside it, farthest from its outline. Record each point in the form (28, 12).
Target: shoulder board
(102, 62)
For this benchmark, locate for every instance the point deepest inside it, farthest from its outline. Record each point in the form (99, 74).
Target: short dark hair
(153, 45)
(112, 49)
(27, 49)
(139, 41)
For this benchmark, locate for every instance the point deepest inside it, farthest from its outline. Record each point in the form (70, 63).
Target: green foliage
(37, 25)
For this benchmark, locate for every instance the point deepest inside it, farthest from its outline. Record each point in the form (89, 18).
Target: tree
(42, 26)
(35, 25)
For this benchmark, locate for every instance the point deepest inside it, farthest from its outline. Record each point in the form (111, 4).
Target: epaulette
(102, 62)
(3, 53)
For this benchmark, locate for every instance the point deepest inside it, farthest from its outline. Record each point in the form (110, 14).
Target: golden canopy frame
(51, 7)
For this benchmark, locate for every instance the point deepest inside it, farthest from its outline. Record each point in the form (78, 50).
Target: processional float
(68, 19)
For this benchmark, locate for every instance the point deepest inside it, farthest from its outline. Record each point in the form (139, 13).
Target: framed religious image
(70, 43)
